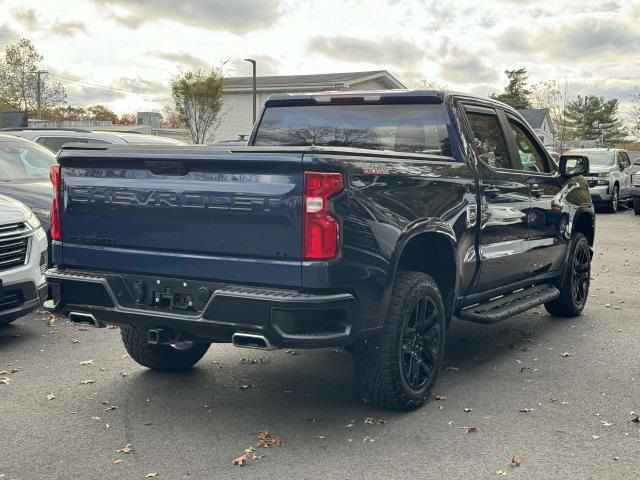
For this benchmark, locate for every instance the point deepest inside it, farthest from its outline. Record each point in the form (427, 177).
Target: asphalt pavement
(533, 397)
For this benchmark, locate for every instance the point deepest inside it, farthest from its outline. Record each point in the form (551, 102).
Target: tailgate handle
(166, 168)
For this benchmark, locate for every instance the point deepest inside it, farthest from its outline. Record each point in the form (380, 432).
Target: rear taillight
(54, 219)
(321, 232)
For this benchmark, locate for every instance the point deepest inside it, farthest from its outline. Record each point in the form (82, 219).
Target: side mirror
(573, 165)
(637, 162)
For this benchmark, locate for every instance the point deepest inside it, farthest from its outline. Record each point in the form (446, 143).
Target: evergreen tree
(516, 92)
(594, 118)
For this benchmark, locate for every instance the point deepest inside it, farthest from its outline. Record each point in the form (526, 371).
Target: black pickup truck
(364, 220)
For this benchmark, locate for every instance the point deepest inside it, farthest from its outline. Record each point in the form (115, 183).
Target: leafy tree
(102, 112)
(516, 92)
(127, 119)
(19, 79)
(594, 118)
(171, 119)
(197, 96)
(62, 113)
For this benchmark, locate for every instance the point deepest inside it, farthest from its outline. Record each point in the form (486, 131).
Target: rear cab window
(419, 128)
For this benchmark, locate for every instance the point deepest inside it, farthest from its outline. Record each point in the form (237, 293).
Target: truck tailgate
(207, 215)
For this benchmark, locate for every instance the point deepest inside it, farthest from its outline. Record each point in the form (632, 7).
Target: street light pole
(253, 63)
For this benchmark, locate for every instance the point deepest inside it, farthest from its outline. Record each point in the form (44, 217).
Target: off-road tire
(164, 358)
(379, 360)
(636, 205)
(566, 304)
(612, 206)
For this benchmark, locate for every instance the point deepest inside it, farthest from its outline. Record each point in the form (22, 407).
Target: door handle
(491, 191)
(536, 191)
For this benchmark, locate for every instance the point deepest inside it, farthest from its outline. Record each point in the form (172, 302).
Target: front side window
(530, 156)
(488, 139)
(415, 128)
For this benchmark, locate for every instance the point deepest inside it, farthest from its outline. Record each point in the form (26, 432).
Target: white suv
(23, 260)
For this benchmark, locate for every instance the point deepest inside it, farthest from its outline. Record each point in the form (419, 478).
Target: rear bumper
(18, 299)
(287, 318)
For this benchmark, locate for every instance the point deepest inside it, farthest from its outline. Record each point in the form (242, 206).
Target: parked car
(609, 177)
(55, 138)
(634, 188)
(367, 220)
(24, 174)
(23, 260)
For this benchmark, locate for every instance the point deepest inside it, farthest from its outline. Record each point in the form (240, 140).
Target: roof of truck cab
(440, 95)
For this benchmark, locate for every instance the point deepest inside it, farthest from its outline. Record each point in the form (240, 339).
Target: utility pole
(39, 93)
(253, 63)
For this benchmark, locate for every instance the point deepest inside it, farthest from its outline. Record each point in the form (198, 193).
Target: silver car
(609, 176)
(55, 138)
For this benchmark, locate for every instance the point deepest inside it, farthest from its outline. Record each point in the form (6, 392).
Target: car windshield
(602, 159)
(21, 160)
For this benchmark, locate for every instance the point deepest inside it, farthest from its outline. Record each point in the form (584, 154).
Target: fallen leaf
(501, 473)
(75, 340)
(87, 382)
(635, 419)
(321, 437)
(565, 354)
(118, 461)
(266, 440)
(595, 437)
(615, 459)
(368, 440)
(83, 329)
(5, 381)
(515, 462)
(240, 461)
(373, 421)
(470, 429)
(605, 424)
(123, 373)
(86, 362)
(126, 449)
(112, 407)
(526, 410)
(452, 369)
(439, 397)
(468, 410)
(51, 396)
(245, 386)
(151, 475)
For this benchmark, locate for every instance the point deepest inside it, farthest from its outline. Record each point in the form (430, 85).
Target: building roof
(331, 81)
(534, 116)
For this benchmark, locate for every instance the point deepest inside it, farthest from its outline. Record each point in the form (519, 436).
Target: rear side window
(488, 139)
(418, 128)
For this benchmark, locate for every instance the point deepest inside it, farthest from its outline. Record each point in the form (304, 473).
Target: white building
(238, 94)
(540, 121)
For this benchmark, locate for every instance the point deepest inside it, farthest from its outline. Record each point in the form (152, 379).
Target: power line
(109, 88)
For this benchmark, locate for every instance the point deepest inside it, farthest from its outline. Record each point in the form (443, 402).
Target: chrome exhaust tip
(83, 318)
(251, 340)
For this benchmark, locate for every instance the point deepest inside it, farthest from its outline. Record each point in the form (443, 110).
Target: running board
(506, 306)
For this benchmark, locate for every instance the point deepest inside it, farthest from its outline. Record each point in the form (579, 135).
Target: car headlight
(603, 182)
(33, 221)
(605, 175)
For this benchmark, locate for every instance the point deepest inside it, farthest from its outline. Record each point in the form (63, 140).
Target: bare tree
(198, 100)
(555, 97)
(634, 116)
(430, 84)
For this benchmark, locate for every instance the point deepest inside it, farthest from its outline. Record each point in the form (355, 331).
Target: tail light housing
(321, 231)
(54, 218)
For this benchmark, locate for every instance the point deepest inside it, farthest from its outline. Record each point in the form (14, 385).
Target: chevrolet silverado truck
(360, 220)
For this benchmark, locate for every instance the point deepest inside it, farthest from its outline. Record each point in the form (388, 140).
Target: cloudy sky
(123, 52)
